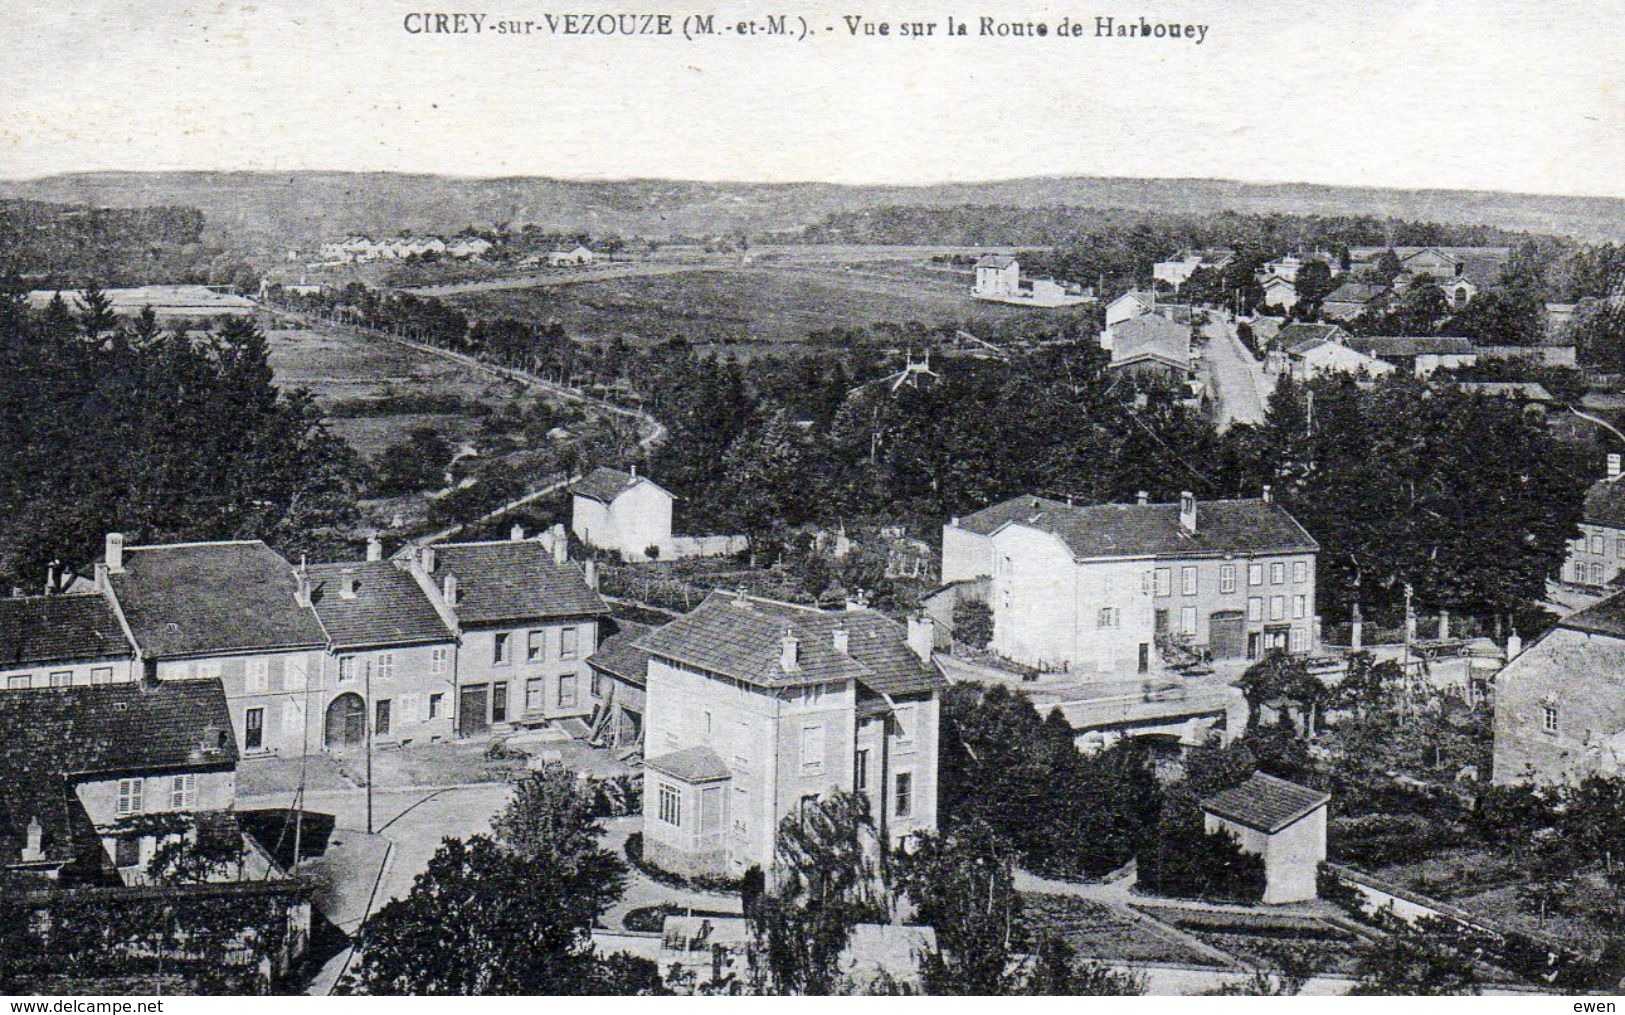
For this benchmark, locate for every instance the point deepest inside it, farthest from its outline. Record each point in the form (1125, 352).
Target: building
(1559, 316)
(622, 512)
(1458, 292)
(575, 257)
(756, 706)
(1126, 307)
(1352, 299)
(1560, 703)
(1418, 355)
(1317, 356)
(1281, 821)
(1099, 587)
(997, 275)
(392, 651)
(1552, 351)
(1598, 555)
(469, 246)
(1288, 266)
(63, 641)
(1177, 270)
(1279, 293)
(620, 671)
(1152, 346)
(528, 620)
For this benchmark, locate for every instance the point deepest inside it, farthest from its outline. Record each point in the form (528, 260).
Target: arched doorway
(346, 722)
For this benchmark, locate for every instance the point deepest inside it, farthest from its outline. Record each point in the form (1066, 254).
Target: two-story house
(528, 620)
(1598, 555)
(1098, 587)
(63, 641)
(622, 512)
(756, 706)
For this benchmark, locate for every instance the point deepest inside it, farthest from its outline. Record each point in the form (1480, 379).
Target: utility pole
(366, 726)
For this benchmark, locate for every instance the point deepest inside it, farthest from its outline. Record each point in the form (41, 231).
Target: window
(257, 674)
(1163, 581)
(101, 675)
(1549, 719)
(129, 795)
(741, 807)
(1300, 607)
(1277, 573)
(1255, 574)
(1596, 574)
(567, 642)
(1227, 578)
(1255, 608)
(501, 649)
(567, 690)
(1277, 607)
(671, 805)
(597, 684)
(499, 702)
(346, 668)
(812, 694)
(253, 729)
(1596, 545)
(293, 675)
(535, 646)
(439, 656)
(1619, 548)
(903, 805)
(1300, 639)
(386, 666)
(708, 723)
(1187, 619)
(380, 716)
(1107, 618)
(435, 701)
(62, 678)
(860, 771)
(409, 707)
(182, 792)
(18, 682)
(812, 750)
(293, 717)
(1187, 581)
(127, 851)
(1300, 570)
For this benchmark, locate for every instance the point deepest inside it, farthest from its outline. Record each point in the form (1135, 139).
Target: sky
(1471, 94)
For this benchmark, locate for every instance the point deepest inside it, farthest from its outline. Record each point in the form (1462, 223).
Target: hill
(271, 210)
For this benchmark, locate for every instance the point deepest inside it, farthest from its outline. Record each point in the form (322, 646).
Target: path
(1240, 385)
(540, 280)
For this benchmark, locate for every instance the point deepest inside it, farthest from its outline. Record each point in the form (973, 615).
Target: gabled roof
(619, 656)
(1299, 333)
(1605, 504)
(1144, 299)
(1151, 335)
(605, 484)
(514, 581)
(996, 261)
(51, 737)
(1152, 530)
(389, 607)
(691, 765)
(1605, 618)
(191, 599)
(52, 629)
(1266, 803)
(1412, 345)
(1356, 292)
(742, 637)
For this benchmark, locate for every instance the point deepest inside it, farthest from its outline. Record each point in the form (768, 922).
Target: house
(756, 706)
(1559, 316)
(170, 303)
(1458, 292)
(469, 246)
(621, 511)
(1126, 307)
(1352, 299)
(93, 779)
(1098, 587)
(1551, 351)
(1279, 292)
(1560, 703)
(1316, 356)
(1152, 345)
(1281, 821)
(392, 650)
(1289, 336)
(577, 256)
(619, 675)
(232, 611)
(1440, 265)
(997, 275)
(1419, 355)
(63, 641)
(528, 620)
(1178, 269)
(1597, 557)
(1286, 268)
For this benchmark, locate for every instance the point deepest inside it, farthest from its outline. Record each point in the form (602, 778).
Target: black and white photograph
(1028, 499)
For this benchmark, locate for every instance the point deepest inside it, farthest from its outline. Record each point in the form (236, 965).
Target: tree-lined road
(1240, 386)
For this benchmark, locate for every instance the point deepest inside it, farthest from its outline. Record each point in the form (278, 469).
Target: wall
(477, 665)
(407, 689)
(1583, 677)
(965, 554)
(1034, 598)
(1209, 600)
(1611, 558)
(1292, 856)
(79, 673)
(641, 518)
(590, 521)
(290, 703)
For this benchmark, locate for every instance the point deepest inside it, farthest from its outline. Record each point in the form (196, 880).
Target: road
(1240, 385)
(539, 280)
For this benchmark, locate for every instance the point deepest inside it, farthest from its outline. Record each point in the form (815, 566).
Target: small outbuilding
(1281, 821)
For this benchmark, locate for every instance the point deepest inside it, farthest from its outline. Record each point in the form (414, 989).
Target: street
(1240, 385)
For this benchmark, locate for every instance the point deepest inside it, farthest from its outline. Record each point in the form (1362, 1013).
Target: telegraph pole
(366, 726)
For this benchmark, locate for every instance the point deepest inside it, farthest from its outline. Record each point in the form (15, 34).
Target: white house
(569, 258)
(621, 511)
(1279, 292)
(1177, 270)
(997, 275)
(1281, 821)
(1128, 306)
(469, 246)
(1308, 360)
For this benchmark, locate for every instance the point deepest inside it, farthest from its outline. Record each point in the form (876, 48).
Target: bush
(1380, 840)
(634, 853)
(1185, 862)
(973, 623)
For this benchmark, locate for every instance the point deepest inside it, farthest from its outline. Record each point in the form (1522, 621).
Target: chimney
(51, 573)
(922, 636)
(375, 547)
(1142, 498)
(426, 558)
(857, 602)
(448, 588)
(1268, 494)
(790, 652)
(34, 851)
(839, 638)
(347, 583)
(591, 572)
(301, 590)
(115, 552)
(1514, 645)
(1187, 511)
(561, 549)
(101, 576)
(634, 471)
(517, 533)
(1613, 468)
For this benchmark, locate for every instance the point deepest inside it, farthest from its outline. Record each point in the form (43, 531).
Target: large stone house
(1560, 703)
(997, 275)
(621, 512)
(1598, 555)
(1098, 587)
(63, 641)
(756, 706)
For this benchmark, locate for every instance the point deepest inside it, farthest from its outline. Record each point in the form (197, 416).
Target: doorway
(346, 725)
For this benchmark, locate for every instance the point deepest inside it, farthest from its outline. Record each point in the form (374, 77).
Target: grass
(1252, 936)
(1099, 931)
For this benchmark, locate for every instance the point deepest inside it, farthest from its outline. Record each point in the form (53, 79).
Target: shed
(1281, 821)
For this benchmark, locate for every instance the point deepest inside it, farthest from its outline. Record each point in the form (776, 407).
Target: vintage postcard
(910, 498)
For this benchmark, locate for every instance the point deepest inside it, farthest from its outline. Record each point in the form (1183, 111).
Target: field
(773, 305)
(1098, 931)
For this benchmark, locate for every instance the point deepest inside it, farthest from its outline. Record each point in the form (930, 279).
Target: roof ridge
(197, 543)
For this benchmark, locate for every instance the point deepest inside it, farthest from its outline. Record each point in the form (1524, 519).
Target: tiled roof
(605, 484)
(50, 629)
(997, 261)
(1296, 334)
(1355, 292)
(389, 607)
(48, 737)
(1606, 617)
(742, 637)
(1412, 345)
(209, 598)
(1605, 504)
(1153, 530)
(1265, 803)
(514, 580)
(691, 765)
(618, 656)
(1151, 335)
